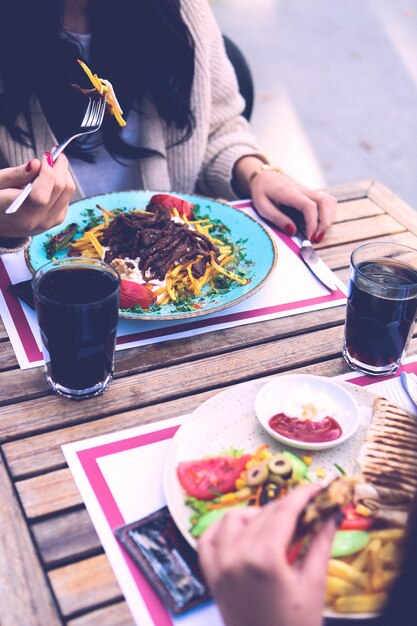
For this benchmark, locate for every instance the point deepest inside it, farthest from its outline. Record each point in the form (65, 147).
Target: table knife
(410, 386)
(308, 253)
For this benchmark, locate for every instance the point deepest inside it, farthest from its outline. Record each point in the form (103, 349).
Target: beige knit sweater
(204, 163)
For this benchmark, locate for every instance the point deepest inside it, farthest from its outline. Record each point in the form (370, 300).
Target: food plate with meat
(179, 255)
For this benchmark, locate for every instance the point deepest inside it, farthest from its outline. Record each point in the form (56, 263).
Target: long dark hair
(141, 46)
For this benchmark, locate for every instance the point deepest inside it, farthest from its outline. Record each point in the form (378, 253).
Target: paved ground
(336, 86)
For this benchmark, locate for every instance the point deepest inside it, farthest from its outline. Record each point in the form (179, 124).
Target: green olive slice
(278, 480)
(256, 475)
(280, 466)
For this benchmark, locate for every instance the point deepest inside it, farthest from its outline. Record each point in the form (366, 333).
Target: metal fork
(90, 123)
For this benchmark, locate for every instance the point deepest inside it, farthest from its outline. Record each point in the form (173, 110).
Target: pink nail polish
(48, 158)
(28, 166)
(290, 229)
(319, 237)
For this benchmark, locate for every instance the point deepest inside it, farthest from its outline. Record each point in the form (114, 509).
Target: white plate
(271, 399)
(228, 420)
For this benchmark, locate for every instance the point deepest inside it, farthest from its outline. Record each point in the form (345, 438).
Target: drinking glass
(77, 304)
(381, 307)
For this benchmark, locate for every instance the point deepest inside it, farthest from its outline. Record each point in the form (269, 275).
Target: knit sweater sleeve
(13, 245)
(229, 136)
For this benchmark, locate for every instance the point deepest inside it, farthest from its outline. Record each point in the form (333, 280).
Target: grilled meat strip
(157, 241)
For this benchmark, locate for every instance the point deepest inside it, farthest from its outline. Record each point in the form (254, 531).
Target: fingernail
(28, 166)
(319, 237)
(290, 229)
(313, 238)
(48, 158)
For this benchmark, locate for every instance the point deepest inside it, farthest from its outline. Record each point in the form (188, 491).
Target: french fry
(344, 571)
(373, 546)
(339, 587)
(390, 555)
(360, 561)
(388, 534)
(371, 572)
(384, 580)
(362, 603)
(376, 571)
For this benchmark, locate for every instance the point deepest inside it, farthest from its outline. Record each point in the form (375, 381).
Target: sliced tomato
(206, 478)
(183, 207)
(354, 521)
(132, 294)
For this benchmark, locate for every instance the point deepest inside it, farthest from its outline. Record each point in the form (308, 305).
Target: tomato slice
(132, 294)
(184, 208)
(354, 521)
(206, 478)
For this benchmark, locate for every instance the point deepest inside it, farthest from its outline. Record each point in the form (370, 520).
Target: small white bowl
(271, 397)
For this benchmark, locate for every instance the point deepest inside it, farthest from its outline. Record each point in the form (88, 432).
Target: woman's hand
(244, 559)
(269, 189)
(47, 204)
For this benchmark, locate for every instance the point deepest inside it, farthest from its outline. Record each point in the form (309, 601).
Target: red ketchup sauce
(326, 429)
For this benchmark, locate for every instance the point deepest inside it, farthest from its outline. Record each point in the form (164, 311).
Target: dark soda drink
(77, 308)
(380, 313)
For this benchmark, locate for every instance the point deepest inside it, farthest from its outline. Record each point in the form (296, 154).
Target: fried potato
(339, 587)
(360, 561)
(390, 554)
(361, 584)
(346, 572)
(388, 534)
(384, 581)
(376, 571)
(362, 603)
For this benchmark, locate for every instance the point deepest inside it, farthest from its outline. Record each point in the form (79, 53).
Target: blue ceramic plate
(260, 250)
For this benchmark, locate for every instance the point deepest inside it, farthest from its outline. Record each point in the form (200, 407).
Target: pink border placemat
(88, 459)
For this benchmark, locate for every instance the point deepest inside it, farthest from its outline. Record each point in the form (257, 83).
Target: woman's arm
(232, 165)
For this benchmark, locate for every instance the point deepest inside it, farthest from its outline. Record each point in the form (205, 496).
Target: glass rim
(57, 264)
(382, 256)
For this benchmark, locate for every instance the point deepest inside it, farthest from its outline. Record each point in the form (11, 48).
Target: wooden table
(53, 569)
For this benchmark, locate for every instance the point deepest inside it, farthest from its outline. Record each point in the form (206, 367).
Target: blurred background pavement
(335, 86)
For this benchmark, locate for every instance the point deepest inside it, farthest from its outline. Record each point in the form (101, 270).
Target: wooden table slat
(8, 356)
(85, 585)
(25, 599)
(356, 209)
(114, 615)
(335, 257)
(351, 191)
(360, 229)
(66, 536)
(48, 493)
(388, 201)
